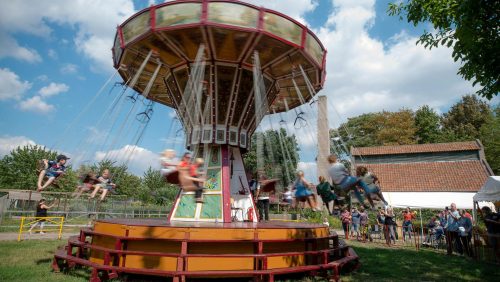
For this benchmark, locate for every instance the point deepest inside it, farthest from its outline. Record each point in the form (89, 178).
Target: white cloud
(36, 104)
(295, 10)
(94, 23)
(368, 75)
(53, 89)
(11, 86)
(52, 54)
(10, 48)
(69, 69)
(42, 77)
(9, 143)
(139, 159)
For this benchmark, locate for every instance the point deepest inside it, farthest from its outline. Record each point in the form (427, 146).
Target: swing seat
(172, 177)
(268, 185)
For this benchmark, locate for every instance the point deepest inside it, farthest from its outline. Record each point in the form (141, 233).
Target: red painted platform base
(194, 249)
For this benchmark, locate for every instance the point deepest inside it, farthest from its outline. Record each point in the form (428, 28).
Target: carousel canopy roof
(231, 31)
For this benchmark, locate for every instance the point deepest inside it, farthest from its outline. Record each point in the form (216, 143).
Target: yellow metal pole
(20, 229)
(60, 228)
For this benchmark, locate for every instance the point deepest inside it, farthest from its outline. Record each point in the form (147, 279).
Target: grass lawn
(30, 261)
(379, 263)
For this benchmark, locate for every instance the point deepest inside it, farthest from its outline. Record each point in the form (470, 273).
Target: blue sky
(56, 56)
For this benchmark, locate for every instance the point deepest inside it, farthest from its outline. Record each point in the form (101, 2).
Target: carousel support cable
(80, 114)
(139, 71)
(110, 113)
(286, 158)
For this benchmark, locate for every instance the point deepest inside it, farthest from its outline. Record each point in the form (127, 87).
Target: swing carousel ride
(223, 66)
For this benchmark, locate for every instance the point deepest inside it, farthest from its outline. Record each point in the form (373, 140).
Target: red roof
(417, 148)
(457, 176)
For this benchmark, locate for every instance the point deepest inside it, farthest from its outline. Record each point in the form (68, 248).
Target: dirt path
(12, 236)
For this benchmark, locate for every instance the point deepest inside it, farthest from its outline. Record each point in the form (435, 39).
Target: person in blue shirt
(452, 228)
(52, 170)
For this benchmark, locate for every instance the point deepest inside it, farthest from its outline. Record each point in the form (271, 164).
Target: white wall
(437, 200)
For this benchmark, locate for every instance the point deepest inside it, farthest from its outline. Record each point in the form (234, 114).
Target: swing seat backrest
(172, 177)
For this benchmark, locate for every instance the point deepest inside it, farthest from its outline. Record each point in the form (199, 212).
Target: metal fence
(19, 203)
(475, 245)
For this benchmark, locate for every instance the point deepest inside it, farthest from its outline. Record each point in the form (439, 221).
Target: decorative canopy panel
(231, 32)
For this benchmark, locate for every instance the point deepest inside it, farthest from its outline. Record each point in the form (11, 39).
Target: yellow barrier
(28, 221)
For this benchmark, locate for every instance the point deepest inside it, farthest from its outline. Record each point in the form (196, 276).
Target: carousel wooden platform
(200, 249)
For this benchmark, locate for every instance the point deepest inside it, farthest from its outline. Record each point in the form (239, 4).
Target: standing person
(363, 223)
(465, 233)
(408, 217)
(302, 192)
(41, 212)
(341, 177)
(389, 223)
(492, 222)
(380, 222)
(52, 169)
(372, 181)
(356, 220)
(324, 189)
(262, 201)
(252, 185)
(345, 217)
(452, 228)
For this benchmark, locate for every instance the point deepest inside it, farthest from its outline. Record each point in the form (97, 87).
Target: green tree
(427, 122)
(18, 169)
(276, 160)
(127, 183)
(155, 190)
(464, 119)
(470, 27)
(490, 137)
(376, 129)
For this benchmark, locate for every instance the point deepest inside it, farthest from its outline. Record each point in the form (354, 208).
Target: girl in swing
(104, 184)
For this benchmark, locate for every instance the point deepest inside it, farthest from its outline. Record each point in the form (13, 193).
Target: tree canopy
(377, 129)
(284, 160)
(468, 119)
(470, 27)
(18, 170)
